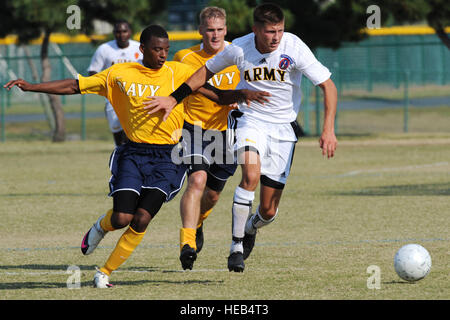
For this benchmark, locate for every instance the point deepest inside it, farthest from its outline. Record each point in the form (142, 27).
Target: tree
(240, 16)
(328, 23)
(435, 12)
(139, 13)
(31, 19)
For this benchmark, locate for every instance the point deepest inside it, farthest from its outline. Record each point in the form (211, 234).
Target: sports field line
(412, 167)
(262, 244)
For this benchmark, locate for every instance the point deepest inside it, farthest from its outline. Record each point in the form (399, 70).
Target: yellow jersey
(127, 86)
(197, 106)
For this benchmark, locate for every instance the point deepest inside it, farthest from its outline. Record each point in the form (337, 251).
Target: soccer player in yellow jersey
(144, 174)
(206, 177)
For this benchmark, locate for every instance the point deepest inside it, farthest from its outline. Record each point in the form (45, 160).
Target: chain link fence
(397, 83)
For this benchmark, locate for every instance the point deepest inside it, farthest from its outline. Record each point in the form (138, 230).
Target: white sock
(256, 222)
(242, 206)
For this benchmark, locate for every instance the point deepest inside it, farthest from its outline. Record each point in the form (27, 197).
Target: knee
(140, 220)
(250, 180)
(197, 181)
(212, 196)
(120, 220)
(267, 212)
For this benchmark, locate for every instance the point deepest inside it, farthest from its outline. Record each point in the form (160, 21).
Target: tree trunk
(59, 133)
(35, 74)
(440, 32)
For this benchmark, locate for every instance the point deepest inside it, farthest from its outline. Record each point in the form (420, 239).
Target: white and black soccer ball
(412, 262)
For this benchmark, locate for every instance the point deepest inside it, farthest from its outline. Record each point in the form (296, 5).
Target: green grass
(350, 123)
(388, 92)
(70, 103)
(391, 120)
(379, 122)
(337, 217)
(96, 129)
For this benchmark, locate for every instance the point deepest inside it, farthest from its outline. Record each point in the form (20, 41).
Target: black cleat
(187, 257)
(236, 262)
(248, 243)
(199, 238)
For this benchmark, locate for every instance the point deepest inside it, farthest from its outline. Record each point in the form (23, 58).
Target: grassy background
(350, 123)
(337, 218)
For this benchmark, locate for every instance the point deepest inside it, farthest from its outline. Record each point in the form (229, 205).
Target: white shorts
(113, 120)
(274, 142)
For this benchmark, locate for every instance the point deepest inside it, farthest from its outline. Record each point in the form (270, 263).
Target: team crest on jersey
(285, 62)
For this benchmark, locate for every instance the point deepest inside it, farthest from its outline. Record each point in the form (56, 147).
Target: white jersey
(109, 53)
(278, 72)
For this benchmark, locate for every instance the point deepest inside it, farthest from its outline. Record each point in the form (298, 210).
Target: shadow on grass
(429, 189)
(87, 284)
(397, 282)
(62, 271)
(63, 268)
(52, 267)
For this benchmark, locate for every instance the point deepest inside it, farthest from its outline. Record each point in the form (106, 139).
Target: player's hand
(22, 84)
(251, 95)
(328, 143)
(156, 104)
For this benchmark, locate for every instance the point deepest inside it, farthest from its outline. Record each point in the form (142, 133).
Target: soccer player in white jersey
(121, 49)
(271, 60)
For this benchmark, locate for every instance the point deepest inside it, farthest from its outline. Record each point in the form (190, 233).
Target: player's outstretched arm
(63, 87)
(228, 97)
(328, 141)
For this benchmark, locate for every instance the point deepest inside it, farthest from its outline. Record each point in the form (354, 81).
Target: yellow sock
(202, 218)
(129, 240)
(105, 223)
(187, 236)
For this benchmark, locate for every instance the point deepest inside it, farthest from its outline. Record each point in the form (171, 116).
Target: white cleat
(92, 238)
(101, 280)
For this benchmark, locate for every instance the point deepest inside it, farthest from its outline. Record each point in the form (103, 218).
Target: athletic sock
(129, 240)
(242, 206)
(256, 222)
(203, 216)
(187, 236)
(105, 223)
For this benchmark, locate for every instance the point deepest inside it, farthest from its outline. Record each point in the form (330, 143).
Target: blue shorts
(208, 148)
(135, 166)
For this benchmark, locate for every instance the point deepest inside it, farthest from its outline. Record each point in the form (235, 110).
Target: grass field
(337, 217)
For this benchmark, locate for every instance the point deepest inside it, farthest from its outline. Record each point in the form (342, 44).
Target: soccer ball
(412, 262)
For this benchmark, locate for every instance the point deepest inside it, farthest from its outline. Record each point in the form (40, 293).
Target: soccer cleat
(248, 243)
(92, 238)
(199, 238)
(236, 262)
(101, 280)
(187, 257)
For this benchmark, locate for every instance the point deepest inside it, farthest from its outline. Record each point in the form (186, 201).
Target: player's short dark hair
(153, 30)
(268, 13)
(122, 21)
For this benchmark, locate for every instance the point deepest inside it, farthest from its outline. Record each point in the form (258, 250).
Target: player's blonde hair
(212, 12)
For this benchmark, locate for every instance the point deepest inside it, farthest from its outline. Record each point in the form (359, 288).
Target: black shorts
(207, 150)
